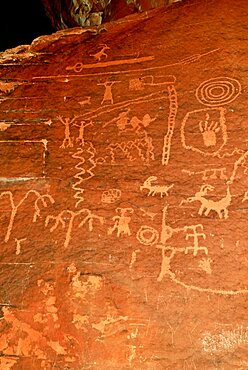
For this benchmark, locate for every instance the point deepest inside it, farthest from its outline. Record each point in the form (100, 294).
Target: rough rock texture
(124, 194)
(71, 13)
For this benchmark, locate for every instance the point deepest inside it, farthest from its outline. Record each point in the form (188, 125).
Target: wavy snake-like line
(79, 176)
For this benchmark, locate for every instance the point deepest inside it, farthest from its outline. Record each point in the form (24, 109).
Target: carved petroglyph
(108, 95)
(18, 245)
(204, 131)
(78, 67)
(133, 258)
(245, 197)
(141, 147)
(107, 109)
(66, 215)
(86, 101)
(4, 126)
(134, 124)
(111, 196)
(218, 91)
(82, 126)
(136, 84)
(87, 162)
(149, 214)
(48, 122)
(171, 124)
(121, 222)
(219, 206)
(195, 235)
(155, 189)
(139, 83)
(121, 120)
(208, 205)
(67, 122)
(14, 207)
(147, 235)
(211, 173)
(226, 341)
(205, 265)
(241, 162)
(102, 53)
(166, 234)
(209, 131)
(8, 87)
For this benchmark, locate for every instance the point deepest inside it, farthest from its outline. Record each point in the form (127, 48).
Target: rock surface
(124, 194)
(71, 13)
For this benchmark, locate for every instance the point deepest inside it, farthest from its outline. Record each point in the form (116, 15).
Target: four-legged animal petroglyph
(121, 222)
(149, 214)
(86, 101)
(155, 189)
(208, 205)
(98, 56)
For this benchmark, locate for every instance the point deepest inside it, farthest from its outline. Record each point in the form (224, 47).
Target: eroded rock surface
(71, 13)
(124, 194)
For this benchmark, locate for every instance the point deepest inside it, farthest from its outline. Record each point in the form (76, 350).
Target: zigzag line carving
(83, 173)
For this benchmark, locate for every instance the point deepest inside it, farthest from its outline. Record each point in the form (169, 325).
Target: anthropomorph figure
(122, 221)
(108, 95)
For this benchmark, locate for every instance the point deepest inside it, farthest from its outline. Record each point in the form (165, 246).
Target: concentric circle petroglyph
(147, 235)
(218, 91)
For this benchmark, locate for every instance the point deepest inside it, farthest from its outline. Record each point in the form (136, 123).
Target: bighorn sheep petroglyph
(98, 56)
(155, 189)
(207, 205)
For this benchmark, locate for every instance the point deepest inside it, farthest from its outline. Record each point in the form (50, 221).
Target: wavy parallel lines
(83, 174)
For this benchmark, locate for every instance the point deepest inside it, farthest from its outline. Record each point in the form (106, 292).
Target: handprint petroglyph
(209, 131)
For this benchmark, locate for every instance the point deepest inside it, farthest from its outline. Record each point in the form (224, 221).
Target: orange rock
(123, 194)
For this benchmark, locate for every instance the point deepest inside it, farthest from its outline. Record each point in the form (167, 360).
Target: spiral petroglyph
(218, 91)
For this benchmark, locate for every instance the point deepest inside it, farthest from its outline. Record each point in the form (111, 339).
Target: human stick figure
(68, 141)
(82, 126)
(108, 95)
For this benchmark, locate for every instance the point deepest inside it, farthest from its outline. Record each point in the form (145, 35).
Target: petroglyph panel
(124, 195)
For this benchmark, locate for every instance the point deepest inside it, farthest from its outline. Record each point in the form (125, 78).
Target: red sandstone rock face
(124, 193)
